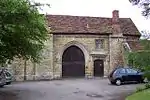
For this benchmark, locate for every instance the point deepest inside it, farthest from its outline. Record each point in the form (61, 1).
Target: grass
(143, 95)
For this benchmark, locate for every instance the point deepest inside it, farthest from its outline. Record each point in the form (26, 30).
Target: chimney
(115, 23)
(115, 17)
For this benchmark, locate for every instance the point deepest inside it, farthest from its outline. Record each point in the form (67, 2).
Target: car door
(132, 74)
(123, 74)
(137, 76)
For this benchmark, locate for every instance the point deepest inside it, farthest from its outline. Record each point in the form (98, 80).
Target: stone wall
(26, 70)
(86, 43)
(116, 52)
(51, 63)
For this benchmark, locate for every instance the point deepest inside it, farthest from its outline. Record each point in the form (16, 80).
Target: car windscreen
(111, 74)
(8, 74)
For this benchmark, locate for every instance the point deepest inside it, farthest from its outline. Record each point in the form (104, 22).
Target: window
(8, 74)
(131, 71)
(122, 71)
(99, 43)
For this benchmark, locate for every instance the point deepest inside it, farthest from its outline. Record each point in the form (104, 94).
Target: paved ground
(68, 89)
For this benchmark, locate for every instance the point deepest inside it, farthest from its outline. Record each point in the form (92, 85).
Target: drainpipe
(25, 70)
(34, 71)
(109, 54)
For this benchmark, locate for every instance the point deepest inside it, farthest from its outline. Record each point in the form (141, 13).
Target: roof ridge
(79, 16)
(86, 16)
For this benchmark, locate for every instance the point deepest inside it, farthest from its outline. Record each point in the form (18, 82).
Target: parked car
(8, 77)
(5, 77)
(2, 79)
(123, 75)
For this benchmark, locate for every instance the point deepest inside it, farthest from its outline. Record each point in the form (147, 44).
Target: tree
(23, 30)
(141, 59)
(144, 4)
(145, 34)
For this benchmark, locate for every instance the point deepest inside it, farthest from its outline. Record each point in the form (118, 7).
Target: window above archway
(99, 44)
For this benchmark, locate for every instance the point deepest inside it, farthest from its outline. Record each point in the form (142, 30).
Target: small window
(99, 43)
(122, 71)
(131, 71)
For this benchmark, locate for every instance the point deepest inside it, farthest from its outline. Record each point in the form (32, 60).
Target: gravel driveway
(67, 89)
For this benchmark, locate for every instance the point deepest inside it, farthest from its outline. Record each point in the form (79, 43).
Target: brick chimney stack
(115, 23)
(115, 17)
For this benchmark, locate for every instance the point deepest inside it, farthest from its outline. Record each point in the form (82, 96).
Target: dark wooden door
(73, 62)
(98, 68)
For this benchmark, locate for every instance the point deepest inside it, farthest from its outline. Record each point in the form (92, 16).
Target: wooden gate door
(73, 62)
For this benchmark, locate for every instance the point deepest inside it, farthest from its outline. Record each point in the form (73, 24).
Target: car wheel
(118, 82)
(8, 83)
(112, 82)
(1, 86)
(140, 81)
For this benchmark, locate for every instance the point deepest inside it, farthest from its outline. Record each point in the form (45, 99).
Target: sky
(97, 8)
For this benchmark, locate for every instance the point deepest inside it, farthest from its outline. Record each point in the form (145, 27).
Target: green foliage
(147, 85)
(141, 59)
(147, 72)
(139, 89)
(144, 4)
(146, 44)
(23, 30)
(143, 95)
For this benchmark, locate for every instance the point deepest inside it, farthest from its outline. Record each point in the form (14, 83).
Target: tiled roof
(128, 27)
(82, 24)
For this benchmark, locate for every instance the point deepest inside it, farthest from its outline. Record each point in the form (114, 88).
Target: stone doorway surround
(88, 59)
(99, 55)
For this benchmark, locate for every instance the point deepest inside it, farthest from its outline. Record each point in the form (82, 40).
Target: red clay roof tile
(82, 24)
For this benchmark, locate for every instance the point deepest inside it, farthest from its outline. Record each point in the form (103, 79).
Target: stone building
(81, 46)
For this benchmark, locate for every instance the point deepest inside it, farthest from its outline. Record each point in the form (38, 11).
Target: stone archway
(69, 44)
(73, 62)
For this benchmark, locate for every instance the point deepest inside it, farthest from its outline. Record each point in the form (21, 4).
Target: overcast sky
(97, 8)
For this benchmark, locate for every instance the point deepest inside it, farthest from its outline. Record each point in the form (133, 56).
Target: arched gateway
(73, 62)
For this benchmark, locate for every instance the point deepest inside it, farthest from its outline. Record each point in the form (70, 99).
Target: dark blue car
(122, 75)
(5, 77)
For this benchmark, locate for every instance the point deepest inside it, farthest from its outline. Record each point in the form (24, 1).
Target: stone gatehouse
(81, 46)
